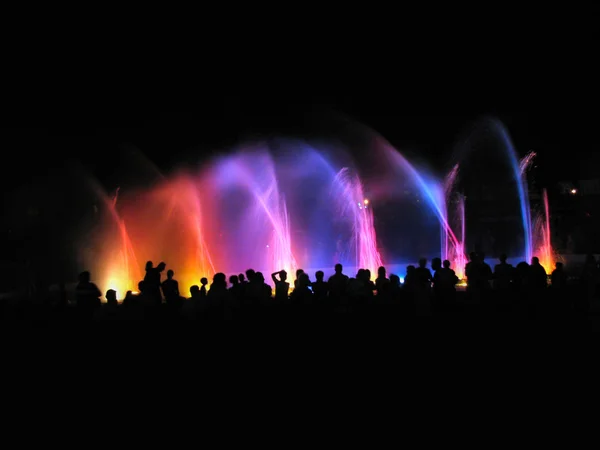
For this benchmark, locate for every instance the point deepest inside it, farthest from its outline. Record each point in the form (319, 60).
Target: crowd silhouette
(525, 291)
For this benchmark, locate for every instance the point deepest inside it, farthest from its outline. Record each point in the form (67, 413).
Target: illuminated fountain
(233, 215)
(454, 249)
(543, 238)
(437, 197)
(519, 169)
(353, 205)
(285, 205)
(256, 222)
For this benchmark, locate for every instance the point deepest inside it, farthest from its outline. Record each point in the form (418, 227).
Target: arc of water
(520, 174)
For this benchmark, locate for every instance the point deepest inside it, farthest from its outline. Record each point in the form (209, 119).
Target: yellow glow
(366, 202)
(573, 191)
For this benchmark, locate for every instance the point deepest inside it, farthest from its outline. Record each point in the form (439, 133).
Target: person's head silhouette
(423, 263)
(446, 264)
(241, 277)
(250, 273)
(503, 258)
(170, 274)
(233, 279)
(338, 268)
(381, 273)
(535, 261)
(203, 281)
(161, 267)
(394, 280)
(84, 277)
(194, 290)
(219, 279)
(436, 263)
(111, 297)
(282, 275)
(149, 265)
(319, 275)
(472, 256)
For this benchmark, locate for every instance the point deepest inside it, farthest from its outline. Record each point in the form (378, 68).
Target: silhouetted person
(218, 297)
(522, 279)
(242, 279)
(250, 275)
(170, 288)
(559, 277)
(319, 287)
(204, 283)
(111, 309)
(237, 289)
(131, 302)
(559, 287)
(357, 288)
(393, 289)
(436, 266)
(423, 275)
(503, 275)
(111, 298)
(382, 282)
(302, 295)
(369, 284)
(472, 272)
(299, 272)
(258, 291)
(486, 272)
(410, 288)
(197, 304)
(537, 274)
(337, 284)
(445, 280)
(87, 296)
(195, 293)
(410, 279)
(152, 281)
(282, 287)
